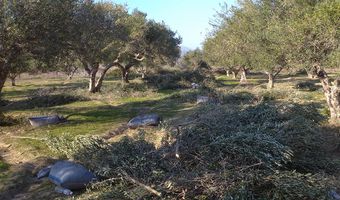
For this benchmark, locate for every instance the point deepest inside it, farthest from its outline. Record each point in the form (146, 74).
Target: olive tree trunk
(96, 84)
(234, 73)
(100, 80)
(243, 79)
(93, 75)
(12, 77)
(13, 81)
(125, 75)
(312, 73)
(332, 94)
(270, 84)
(3, 76)
(72, 72)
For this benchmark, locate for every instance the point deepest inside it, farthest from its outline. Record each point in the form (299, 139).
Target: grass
(92, 117)
(3, 166)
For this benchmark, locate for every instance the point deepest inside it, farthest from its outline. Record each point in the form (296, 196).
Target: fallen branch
(104, 181)
(180, 136)
(148, 188)
(250, 166)
(31, 138)
(118, 131)
(177, 143)
(70, 115)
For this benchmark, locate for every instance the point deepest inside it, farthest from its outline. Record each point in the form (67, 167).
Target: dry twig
(148, 188)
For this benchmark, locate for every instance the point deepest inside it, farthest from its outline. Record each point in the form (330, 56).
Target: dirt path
(10, 156)
(20, 182)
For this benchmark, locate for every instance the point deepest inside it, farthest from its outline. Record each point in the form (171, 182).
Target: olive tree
(253, 35)
(95, 32)
(317, 42)
(34, 27)
(232, 44)
(151, 42)
(23, 63)
(217, 53)
(105, 35)
(192, 58)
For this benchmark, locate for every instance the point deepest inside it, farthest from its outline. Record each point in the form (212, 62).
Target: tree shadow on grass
(28, 92)
(167, 107)
(44, 101)
(99, 119)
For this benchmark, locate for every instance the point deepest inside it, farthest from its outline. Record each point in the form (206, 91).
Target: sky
(189, 18)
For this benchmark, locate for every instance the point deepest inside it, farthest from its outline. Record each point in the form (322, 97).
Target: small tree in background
(192, 58)
(23, 63)
(231, 45)
(217, 54)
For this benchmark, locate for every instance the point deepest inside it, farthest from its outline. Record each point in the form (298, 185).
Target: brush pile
(253, 151)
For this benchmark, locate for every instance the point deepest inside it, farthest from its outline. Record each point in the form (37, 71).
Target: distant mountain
(184, 50)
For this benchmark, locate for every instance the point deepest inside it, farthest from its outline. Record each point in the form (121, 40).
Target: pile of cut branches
(262, 151)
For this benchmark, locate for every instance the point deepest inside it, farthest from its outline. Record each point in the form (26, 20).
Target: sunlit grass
(91, 117)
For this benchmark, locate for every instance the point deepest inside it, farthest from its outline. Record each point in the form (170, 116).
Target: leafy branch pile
(261, 151)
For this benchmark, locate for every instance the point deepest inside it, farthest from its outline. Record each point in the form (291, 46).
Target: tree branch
(148, 188)
(117, 64)
(138, 57)
(277, 73)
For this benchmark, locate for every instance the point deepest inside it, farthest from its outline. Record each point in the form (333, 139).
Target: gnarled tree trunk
(3, 76)
(312, 73)
(234, 73)
(125, 75)
(101, 78)
(13, 81)
(243, 79)
(13, 76)
(332, 94)
(92, 83)
(72, 72)
(96, 85)
(270, 84)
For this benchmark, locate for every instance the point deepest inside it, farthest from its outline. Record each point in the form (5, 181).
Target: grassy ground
(23, 149)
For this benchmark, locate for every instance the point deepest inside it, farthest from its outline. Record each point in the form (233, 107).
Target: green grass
(3, 166)
(91, 117)
(229, 81)
(3, 170)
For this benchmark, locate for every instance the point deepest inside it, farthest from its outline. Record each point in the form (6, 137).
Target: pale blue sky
(190, 18)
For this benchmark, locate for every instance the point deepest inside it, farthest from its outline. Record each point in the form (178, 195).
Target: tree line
(273, 35)
(64, 34)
